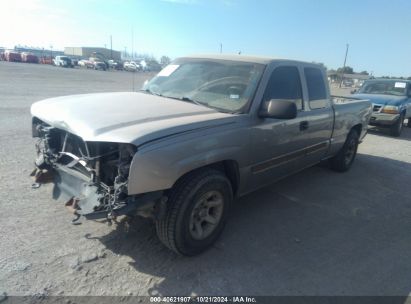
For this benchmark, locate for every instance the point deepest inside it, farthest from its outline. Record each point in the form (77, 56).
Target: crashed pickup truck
(204, 131)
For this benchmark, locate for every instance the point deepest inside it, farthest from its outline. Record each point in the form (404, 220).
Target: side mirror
(278, 108)
(354, 91)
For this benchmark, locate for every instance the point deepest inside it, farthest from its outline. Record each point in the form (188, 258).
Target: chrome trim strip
(288, 157)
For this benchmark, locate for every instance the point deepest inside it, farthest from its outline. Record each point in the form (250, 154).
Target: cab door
(318, 115)
(276, 144)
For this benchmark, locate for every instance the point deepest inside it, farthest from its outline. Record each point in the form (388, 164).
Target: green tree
(320, 63)
(164, 60)
(346, 70)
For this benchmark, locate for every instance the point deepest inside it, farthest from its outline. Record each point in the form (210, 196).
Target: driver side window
(285, 83)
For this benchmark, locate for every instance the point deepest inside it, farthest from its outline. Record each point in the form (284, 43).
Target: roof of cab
(242, 58)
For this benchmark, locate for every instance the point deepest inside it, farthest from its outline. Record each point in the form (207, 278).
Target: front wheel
(396, 129)
(345, 157)
(197, 211)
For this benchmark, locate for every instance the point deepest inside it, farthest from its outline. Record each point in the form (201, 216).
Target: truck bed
(346, 112)
(337, 99)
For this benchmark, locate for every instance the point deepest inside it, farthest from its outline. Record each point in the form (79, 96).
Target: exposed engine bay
(90, 177)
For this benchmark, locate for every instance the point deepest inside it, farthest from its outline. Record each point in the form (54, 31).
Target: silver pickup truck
(205, 130)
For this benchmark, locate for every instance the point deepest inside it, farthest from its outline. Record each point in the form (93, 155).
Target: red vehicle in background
(29, 57)
(12, 56)
(46, 60)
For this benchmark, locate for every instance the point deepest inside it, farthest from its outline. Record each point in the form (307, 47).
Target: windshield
(384, 87)
(225, 85)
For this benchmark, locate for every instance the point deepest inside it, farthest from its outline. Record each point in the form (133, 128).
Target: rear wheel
(197, 211)
(395, 129)
(345, 157)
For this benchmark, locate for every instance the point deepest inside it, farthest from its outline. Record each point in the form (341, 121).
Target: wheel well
(357, 128)
(228, 167)
(233, 174)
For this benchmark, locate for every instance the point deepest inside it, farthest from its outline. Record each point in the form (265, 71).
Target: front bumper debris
(83, 198)
(383, 119)
(91, 179)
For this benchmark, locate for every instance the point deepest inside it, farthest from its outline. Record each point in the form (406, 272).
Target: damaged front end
(90, 177)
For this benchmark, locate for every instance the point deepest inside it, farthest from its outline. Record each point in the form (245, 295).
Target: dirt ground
(315, 233)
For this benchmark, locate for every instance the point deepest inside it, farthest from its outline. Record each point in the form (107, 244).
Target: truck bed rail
(338, 99)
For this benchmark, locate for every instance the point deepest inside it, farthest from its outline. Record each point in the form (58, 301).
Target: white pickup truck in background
(63, 61)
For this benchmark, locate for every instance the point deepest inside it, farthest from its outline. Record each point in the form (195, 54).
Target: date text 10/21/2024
(203, 299)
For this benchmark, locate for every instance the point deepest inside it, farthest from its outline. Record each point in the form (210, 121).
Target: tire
(184, 228)
(396, 129)
(343, 160)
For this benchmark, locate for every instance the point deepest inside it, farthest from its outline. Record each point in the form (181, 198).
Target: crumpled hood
(127, 117)
(382, 99)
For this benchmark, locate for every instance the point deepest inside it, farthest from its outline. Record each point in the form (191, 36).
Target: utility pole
(345, 61)
(221, 48)
(132, 42)
(132, 53)
(111, 47)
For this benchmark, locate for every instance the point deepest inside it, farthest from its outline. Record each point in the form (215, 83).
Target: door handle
(304, 125)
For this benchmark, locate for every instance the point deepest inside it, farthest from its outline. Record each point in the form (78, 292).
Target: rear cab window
(317, 91)
(285, 83)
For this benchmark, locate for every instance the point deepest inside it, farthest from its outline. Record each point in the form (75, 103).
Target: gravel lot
(315, 233)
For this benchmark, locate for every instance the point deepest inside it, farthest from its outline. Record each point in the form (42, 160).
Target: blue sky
(378, 31)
